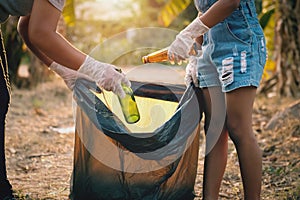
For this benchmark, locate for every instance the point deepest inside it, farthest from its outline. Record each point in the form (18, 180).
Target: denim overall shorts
(234, 50)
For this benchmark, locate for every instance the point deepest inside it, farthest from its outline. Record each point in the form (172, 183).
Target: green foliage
(172, 10)
(267, 12)
(69, 13)
(258, 5)
(265, 17)
(267, 21)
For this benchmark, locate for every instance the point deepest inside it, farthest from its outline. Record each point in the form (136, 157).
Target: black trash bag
(113, 162)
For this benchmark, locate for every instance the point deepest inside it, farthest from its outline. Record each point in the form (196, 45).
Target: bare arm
(218, 12)
(23, 31)
(43, 37)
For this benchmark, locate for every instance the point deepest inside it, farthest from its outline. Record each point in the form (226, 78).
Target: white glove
(191, 72)
(105, 75)
(182, 45)
(68, 75)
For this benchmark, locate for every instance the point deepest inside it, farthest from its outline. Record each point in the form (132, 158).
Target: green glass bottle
(129, 106)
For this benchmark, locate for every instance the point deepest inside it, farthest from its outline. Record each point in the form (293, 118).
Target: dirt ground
(40, 142)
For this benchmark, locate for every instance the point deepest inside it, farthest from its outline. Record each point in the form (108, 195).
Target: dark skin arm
(218, 12)
(23, 31)
(39, 33)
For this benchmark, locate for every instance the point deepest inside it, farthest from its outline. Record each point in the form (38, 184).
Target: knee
(240, 133)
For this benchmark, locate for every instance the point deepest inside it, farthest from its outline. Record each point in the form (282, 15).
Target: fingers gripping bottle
(162, 55)
(129, 106)
(157, 56)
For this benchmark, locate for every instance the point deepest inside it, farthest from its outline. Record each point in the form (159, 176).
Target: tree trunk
(287, 48)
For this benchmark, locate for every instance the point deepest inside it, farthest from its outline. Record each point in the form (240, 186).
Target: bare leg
(216, 142)
(239, 122)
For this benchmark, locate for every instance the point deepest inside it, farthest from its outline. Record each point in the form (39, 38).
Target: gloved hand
(105, 75)
(68, 75)
(191, 72)
(182, 45)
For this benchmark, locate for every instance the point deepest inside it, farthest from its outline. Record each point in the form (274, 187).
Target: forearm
(63, 53)
(218, 12)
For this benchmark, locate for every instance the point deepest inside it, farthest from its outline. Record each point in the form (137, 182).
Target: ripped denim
(234, 51)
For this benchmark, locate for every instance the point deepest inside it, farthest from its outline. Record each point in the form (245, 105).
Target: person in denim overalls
(37, 26)
(229, 70)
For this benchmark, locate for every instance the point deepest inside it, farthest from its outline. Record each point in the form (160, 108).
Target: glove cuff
(57, 68)
(195, 29)
(84, 66)
(54, 65)
(89, 68)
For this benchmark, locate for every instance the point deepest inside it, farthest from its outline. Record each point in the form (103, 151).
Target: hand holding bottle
(105, 75)
(182, 45)
(162, 56)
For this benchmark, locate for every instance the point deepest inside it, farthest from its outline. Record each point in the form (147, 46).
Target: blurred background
(87, 23)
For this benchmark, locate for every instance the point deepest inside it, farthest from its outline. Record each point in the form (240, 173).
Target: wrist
(88, 67)
(195, 29)
(53, 65)
(84, 64)
(201, 23)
